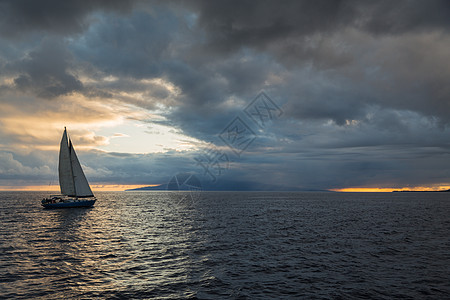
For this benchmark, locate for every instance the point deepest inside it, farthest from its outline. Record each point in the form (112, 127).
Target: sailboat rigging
(75, 189)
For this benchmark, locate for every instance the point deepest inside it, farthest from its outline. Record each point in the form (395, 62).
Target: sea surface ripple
(227, 245)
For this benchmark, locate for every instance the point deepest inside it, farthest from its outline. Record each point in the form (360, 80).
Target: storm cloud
(45, 71)
(23, 17)
(362, 86)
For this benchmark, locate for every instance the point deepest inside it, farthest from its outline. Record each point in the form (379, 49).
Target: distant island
(441, 191)
(161, 187)
(211, 188)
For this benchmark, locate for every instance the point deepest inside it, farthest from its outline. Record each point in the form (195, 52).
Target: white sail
(66, 182)
(82, 188)
(72, 180)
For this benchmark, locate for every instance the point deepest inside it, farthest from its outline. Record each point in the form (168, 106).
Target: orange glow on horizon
(94, 187)
(388, 190)
(118, 187)
(123, 187)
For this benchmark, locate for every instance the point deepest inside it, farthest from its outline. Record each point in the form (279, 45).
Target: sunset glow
(95, 187)
(387, 190)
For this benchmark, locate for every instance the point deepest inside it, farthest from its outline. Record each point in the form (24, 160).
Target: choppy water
(241, 245)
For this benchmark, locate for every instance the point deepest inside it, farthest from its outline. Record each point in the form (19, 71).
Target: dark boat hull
(71, 204)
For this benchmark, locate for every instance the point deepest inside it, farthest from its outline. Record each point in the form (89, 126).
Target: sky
(244, 95)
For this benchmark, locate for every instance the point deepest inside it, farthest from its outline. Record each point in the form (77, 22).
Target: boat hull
(71, 204)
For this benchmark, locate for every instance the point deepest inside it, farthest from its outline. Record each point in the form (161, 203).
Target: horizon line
(136, 187)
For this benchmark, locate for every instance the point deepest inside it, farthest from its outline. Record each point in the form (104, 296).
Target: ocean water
(227, 245)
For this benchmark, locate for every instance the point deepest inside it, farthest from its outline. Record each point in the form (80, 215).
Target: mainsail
(65, 168)
(72, 180)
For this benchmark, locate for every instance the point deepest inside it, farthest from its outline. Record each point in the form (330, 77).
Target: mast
(65, 169)
(71, 167)
(72, 180)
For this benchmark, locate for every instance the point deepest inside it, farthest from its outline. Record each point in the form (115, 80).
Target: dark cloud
(210, 69)
(363, 85)
(397, 17)
(134, 46)
(61, 17)
(234, 24)
(46, 71)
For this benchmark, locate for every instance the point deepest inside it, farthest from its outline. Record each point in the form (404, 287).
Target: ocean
(227, 245)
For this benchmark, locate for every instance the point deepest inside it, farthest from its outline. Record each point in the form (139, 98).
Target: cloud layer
(362, 86)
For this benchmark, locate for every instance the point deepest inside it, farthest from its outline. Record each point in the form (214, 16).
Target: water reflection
(225, 245)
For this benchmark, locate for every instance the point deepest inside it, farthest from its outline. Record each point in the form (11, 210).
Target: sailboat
(75, 189)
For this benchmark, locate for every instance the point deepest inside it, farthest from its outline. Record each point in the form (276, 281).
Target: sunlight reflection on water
(256, 245)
